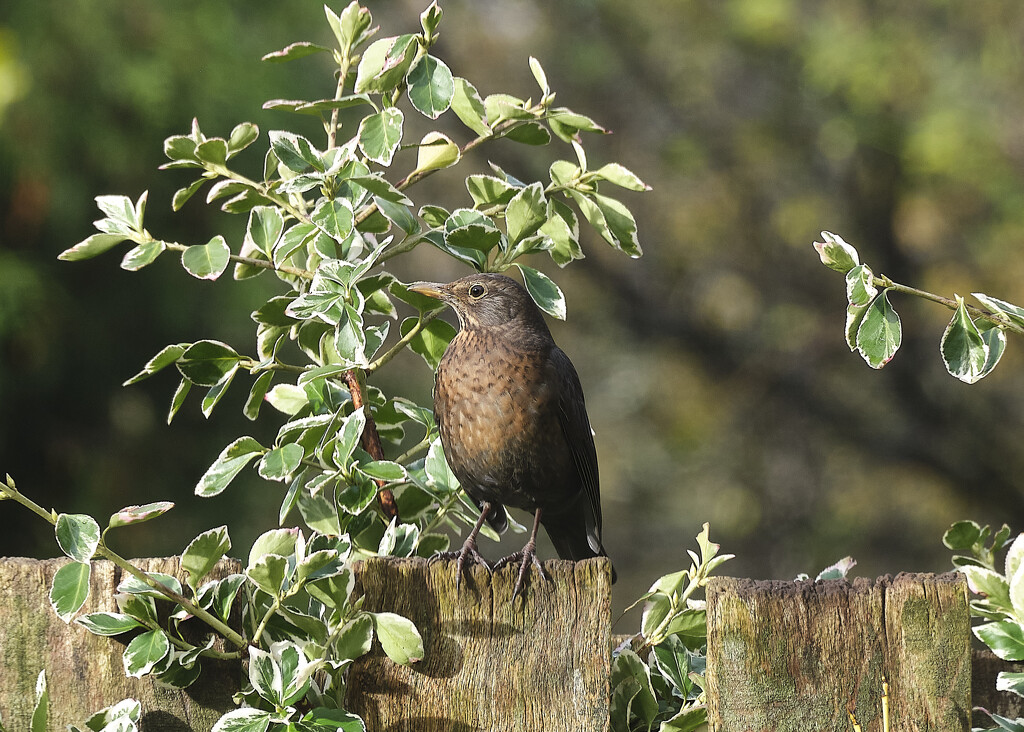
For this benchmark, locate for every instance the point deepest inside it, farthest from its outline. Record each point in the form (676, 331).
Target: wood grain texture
(540, 663)
(801, 655)
(84, 671)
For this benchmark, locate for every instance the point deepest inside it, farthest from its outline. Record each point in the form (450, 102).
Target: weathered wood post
(84, 671)
(538, 663)
(803, 655)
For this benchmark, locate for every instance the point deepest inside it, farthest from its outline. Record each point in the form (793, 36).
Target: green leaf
(544, 292)
(431, 86)
(384, 470)
(489, 190)
(207, 261)
(567, 124)
(385, 63)
(1004, 637)
(540, 76)
(380, 135)
(78, 536)
(164, 358)
(631, 693)
(216, 392)
(563, 229)
(269, 573)
(145, 652)
(41, 710)
(228, 464)
(621, 176)
(334, 217)
(139, 514)
(501, 107)
(207, 363)
(213, 151)
(281, 542)
(469, 107)
(348, 437)
(287, 398)
(995, 340)
(1013, 313)
(436, 151)
(203, 553)
(243, 720)
(295, 152)
(528, 133)
(182, 195)
(326, 719)
(257, 393)
(294, 51)
(962, 535)
(281, 462)
(243, 135)
(399, 540)
(880, 332)
(108, 624)
(91, 247)
(1012, 681)
(964, 351)
(398, 637)
(526, 213)
(860, 288)
(264, 228)
(431, 342)
(835, 253)
(142, 255)
(179, 398)
(70, 589)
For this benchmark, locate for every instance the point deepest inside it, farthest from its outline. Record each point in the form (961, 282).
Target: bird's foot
(526, 557)
(468, 552)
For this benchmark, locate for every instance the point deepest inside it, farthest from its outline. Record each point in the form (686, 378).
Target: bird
(513, 422)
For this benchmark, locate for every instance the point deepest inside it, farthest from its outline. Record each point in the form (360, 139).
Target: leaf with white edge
(1012, 681)
(295, 152)
(203, 553)
(384, 470)
(489, 190)
(228, 464)
(142, 255)
(1014, 556)
(264, 229)
(1004, 637)
(964, 351)
(380, 135)
(432, 340)
(184, 386)
(257, 394)
(540, 76)
(631, 693)
(469, 107)
(348, 437)
(70, 589)
(621, 224)
(78, 536)
(334, 217)
(243, 720)
(120, 717)
(544, 292)
(431, 86)
(294, 51)
(91, 247)
(621, 176)
(525, 213)
(880, 333)
(207, 363)
(216, 393)
(860, 288)
(385, 63)
(276, 541)
(41, 710)
(1013, 313)
(132, 585)
(207, 261)
(281, 462)
(108, 624)
(287, 398)
(323, 718)
(835, 253)
(995, 339)
(145, 652)
(399, 540)
(398, 637)
(563, 229)
(166, 356)
(269, 573)
(989, 584)
(436, 151)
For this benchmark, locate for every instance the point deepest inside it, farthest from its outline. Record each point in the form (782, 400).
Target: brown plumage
(513, 422)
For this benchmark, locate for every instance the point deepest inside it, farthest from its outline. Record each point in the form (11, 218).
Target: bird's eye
(477, 291)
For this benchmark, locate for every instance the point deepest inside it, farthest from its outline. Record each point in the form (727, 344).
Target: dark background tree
(717, 378)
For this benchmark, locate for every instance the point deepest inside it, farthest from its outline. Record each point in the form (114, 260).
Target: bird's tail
(570, 538)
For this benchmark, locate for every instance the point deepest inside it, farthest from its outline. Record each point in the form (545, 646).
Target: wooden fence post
(802, 655)
(84, 672)
(538, 663)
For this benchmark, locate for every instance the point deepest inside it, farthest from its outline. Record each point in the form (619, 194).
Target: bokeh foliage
(718, 382)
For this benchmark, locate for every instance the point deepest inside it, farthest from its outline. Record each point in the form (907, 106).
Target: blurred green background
(716, 372)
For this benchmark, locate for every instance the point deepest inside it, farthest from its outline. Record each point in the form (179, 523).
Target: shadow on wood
(538, 663)
(84, 671)
(802, 655)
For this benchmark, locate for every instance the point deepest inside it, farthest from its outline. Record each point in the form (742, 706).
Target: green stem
(131, 569)
(274, 607)
(420, 324)
(998, 319)
(343, 66)
(251, 261)
(441, 512)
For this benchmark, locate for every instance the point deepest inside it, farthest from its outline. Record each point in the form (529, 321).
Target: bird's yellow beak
(430, 289)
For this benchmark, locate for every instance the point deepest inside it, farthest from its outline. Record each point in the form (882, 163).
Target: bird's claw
(526, 557)
(467, 552)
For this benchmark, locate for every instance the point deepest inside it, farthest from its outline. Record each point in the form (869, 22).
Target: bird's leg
(469, 548)
(527, 556)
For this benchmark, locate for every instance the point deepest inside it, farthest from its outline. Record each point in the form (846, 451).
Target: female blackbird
(513, 423)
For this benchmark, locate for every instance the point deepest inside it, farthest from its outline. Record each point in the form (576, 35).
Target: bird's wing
(572, 416)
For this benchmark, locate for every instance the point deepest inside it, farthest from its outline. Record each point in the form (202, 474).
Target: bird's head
(484, 300)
